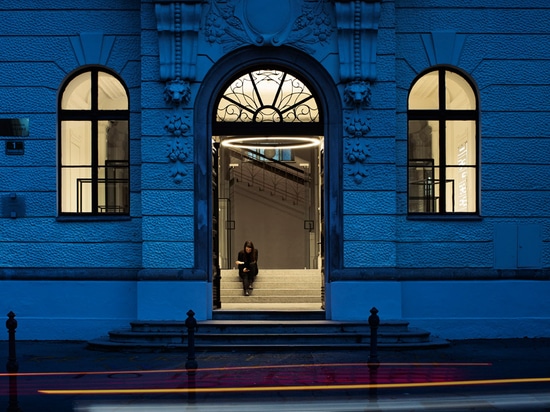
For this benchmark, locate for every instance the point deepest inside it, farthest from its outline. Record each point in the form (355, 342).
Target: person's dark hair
(249, 244)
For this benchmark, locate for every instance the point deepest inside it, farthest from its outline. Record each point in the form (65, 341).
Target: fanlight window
(267, 102)
(267, 96)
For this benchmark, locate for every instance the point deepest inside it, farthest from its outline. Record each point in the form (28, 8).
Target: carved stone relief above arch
(298, 23)
(302, 24)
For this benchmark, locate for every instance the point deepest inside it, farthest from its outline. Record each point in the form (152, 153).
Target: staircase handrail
(275, 166)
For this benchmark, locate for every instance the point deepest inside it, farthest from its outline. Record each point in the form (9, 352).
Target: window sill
(94, 218)
(445, 217)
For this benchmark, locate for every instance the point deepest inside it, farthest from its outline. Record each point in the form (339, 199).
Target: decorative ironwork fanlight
(265, 103)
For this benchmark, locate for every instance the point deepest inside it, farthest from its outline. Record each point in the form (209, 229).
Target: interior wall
(276, 229)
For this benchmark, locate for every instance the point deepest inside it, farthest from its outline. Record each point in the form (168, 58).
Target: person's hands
(246, 270)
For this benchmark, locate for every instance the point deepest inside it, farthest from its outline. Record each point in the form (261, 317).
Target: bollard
(191, 324)
(374, 322)
(191, 364)
(373, 364)
(12, 366)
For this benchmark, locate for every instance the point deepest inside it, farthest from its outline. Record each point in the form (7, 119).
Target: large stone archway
(324, 87)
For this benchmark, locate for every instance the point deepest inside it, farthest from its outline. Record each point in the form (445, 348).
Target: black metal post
(191, 324)
(12, 366)
(191, 364)
(374, 322)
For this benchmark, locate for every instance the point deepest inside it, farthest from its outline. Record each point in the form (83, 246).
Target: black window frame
(443, 115)
(94, 116)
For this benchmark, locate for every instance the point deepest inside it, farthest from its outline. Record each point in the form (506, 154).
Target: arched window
(93, 145)
(443, 147)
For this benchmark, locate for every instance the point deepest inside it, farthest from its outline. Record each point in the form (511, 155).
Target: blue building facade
(427, 194)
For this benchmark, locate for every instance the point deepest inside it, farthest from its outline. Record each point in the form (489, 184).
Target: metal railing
(273, 176)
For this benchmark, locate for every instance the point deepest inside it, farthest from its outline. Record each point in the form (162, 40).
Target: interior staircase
(283, 312)
(274, 289)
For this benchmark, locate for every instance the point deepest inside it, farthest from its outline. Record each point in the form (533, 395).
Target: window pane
(424, 94)
(461, 162)
(461, 189)
(76, 143)
(112, 141)
(423, 187)
(460, 143)
(77, 94)
(113, 190)
(424, 164)
(111, 93)
(458, 92)
(77, 190)
(424, 140)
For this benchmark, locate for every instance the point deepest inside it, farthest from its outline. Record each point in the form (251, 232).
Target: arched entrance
(325, 212)
(268, 132)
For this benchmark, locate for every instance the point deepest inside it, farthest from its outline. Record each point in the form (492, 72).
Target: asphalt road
(469, 375)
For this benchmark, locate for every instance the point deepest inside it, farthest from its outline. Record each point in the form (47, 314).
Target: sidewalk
(508, 357)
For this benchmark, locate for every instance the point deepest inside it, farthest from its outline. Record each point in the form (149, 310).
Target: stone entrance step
(230, 335)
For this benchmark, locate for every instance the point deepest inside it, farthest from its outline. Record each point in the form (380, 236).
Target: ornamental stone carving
(176, 126)
(357, 150)
(299, 23)
(357, 93)
(178, 26)
(177, 155)
(177, 92)
(357, 127)
(178, 150)
(357, 22)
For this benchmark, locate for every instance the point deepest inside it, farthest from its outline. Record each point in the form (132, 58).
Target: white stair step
(273, 286)
(272, 299)
(270, 292)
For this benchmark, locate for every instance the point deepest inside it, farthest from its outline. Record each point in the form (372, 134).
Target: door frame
(329, 101)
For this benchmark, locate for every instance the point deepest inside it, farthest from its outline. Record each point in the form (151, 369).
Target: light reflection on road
(512, 402)
(301, 388)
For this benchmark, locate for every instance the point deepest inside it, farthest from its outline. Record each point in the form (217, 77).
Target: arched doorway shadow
(205, 156)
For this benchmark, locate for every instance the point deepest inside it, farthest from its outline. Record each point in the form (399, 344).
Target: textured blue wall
(369, 206)
(499, 44)
(168, 206)
(39, 48)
